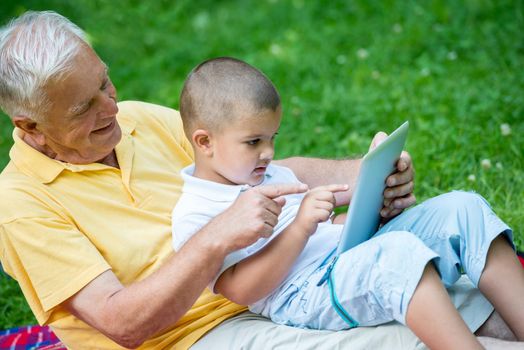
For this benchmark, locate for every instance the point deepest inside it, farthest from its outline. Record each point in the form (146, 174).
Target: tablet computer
(363, 215)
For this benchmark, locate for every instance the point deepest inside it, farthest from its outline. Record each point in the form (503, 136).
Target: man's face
(244, 148)
(81, 126)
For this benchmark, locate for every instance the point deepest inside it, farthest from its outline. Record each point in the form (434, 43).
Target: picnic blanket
(42, 338)
(29, 338)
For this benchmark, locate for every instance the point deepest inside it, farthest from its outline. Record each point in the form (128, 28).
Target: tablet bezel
(363, 216)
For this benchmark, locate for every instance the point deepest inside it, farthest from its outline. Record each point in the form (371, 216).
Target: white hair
(34, 48)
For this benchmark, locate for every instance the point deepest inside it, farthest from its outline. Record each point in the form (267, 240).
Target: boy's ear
(29, 126)
(202, 140)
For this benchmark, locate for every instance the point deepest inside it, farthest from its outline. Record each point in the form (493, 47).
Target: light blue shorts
(374, 282)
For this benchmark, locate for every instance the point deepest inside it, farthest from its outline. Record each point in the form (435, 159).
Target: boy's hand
(316, 207)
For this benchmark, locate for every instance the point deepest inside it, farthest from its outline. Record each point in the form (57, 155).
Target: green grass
(345, 69)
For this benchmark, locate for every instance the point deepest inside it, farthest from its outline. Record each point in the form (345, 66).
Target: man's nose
(107, 104)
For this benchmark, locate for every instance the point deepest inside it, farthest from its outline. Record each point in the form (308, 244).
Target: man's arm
(129, 315)
(398, 194)
(319, 172)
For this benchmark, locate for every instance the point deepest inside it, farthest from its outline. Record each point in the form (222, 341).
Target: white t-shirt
(202, 200)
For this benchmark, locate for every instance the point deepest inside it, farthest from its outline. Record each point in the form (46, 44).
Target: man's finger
(404, 202)
(280, 201)
(387, 214)
(394, 207)
(274, 191)
(267, 231)
(270, 219)
(404, 161)
(378, 139)
(398, 191)
(274, 206)
(400, 177)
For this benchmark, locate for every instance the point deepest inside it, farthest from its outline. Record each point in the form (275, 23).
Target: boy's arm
(255, 277)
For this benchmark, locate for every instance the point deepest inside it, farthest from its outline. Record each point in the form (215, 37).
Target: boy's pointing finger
(332, 188)
(274, 191)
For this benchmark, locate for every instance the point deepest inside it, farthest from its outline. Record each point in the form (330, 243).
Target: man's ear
(203, 141)
(29, 126)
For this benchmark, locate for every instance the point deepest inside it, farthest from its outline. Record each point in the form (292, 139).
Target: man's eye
(83, 109)
(253, 142)
(105, 85)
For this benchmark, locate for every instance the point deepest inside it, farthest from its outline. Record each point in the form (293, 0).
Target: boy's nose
(267, 154)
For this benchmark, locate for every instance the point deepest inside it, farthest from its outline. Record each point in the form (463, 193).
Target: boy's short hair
(219, 89)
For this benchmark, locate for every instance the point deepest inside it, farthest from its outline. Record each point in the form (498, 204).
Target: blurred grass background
(345, 69)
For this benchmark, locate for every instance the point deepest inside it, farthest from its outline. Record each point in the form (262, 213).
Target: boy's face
(242, 150)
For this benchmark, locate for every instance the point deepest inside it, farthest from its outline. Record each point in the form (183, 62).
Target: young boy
(231, 114)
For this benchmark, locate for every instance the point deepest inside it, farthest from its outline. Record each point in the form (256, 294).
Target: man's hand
(253, 215)
(316, 207)
(398, 194)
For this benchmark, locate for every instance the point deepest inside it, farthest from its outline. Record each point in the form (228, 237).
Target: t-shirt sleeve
(71, 261)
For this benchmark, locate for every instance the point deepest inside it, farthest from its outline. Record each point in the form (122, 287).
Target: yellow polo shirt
(62, 225)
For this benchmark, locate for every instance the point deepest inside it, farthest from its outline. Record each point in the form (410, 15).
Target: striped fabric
(29, 338)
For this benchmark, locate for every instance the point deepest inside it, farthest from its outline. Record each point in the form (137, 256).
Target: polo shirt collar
(209, 189)
(212, 190)
(39, 166)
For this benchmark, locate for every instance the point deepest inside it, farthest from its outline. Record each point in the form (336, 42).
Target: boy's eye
(253, 142)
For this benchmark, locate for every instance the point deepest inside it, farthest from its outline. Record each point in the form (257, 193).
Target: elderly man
(85, 215)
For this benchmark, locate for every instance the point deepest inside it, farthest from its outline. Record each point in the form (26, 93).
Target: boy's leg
(252, 332)
(459, 227)
(389, 278)
(373, 283)
(434, 319)
(502, 282)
